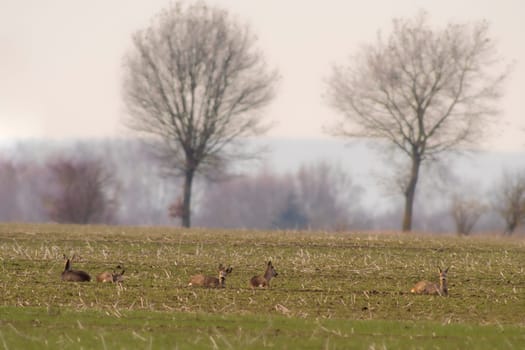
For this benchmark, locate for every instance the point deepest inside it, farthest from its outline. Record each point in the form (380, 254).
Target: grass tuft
(332, 289)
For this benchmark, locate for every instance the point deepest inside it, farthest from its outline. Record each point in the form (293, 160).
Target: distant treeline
(119, 182)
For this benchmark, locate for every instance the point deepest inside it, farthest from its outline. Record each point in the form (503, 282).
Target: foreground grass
(37, 328)
(328, 285)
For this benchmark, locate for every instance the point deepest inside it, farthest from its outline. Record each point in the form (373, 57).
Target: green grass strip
(52, 328)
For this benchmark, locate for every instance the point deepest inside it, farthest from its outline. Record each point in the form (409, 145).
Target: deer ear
(221, 267)
(270, 263)
(439, 269)
(447, 269)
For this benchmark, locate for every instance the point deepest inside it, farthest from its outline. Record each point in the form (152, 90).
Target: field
(333, 290)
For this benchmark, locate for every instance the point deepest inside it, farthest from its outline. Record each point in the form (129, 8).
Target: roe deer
(114, 277)
(426, 287)
(70, 275)
(209, 281)
(264, 280)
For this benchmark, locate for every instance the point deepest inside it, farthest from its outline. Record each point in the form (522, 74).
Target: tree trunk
(410, 193)
(186, 201)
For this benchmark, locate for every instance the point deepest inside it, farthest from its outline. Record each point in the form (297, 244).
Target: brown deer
(210, 281)
(264, 280)
(115, 277)
(426, 287)
(70, 275)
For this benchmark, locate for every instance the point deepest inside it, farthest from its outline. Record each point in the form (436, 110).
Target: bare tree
(423, 90)
(291, 216)
(509, 200)
(20, 179)
(318, 196)
(466, 213)
(328, 197)
(80, 192)
(8, 190)
(246, 201)
(194, 87)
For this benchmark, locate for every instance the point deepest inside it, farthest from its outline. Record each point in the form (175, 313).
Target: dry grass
(343, 276)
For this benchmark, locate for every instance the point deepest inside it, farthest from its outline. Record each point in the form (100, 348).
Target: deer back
(258, 281)
(70, 275)
(197, 280)
(264, 280)
(425, 287)
(75, 276)
(105, 277)
(212, 282)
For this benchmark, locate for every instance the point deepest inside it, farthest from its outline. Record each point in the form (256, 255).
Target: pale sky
(60, 60)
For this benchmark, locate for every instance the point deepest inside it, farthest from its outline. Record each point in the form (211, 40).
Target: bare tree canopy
(81, 192)
(466, 213)
(318, 196)
(194, 86)
(423, 90)
(509, 200)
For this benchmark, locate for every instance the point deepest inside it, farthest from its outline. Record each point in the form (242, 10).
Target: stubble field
(337, 290)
